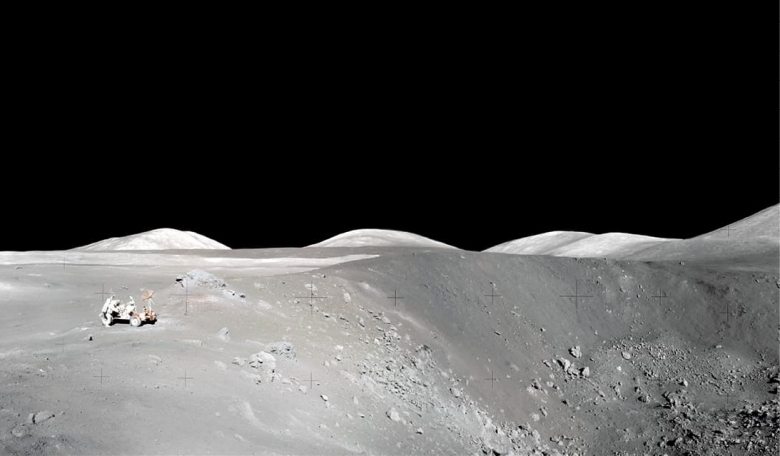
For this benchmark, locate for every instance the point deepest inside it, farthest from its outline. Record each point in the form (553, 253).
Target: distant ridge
(160, 239)
(380, 238)
(753, 239)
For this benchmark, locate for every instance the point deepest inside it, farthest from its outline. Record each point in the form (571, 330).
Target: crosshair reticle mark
(728, 229)
(186, 295)
(728, 323)
(492, 378)
(395, 297)
(62, 343)
(185, 378)
(103, 293)
(492, 293)
(312, 297)
(660, 297)
(311, 381)
(101, 376)
(576, 297)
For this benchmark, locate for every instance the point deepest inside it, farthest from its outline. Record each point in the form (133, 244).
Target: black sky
(666, 127)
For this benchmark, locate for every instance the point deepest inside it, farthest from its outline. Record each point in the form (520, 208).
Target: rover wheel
(109, 320)
(135, 321)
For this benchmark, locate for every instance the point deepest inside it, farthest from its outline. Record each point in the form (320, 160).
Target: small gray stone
(40, 417)
(575, 351)
(223, 334)
(393, 414)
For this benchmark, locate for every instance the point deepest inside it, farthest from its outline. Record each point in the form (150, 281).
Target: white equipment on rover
(113, 310)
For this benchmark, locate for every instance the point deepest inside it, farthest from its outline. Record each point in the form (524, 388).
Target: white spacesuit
(110, 309)
(129, 308)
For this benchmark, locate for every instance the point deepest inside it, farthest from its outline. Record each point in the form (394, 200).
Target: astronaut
(110, 309)
(129, 308)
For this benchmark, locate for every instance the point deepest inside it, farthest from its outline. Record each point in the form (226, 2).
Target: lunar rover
(114, 309)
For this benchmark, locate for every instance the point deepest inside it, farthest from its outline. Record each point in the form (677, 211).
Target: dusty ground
(447, 369)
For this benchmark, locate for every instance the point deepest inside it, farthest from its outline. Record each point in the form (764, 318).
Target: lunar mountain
(388, 343)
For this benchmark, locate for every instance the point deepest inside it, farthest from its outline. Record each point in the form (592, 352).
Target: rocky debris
(223, 334)
(575, 351)
(565, 363)
(285, 349)
(200, 278)
(233, 293)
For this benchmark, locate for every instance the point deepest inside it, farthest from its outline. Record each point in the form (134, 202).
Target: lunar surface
(388, 343)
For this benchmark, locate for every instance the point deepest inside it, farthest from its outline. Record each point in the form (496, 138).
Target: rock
(543, 410)
(393, 414)
(775, 379)
(457, 392)
(285, 349)
(419, 431)
(263, 361)
(239, 361)
(575, 351)
(347, 297)
(324, 397)
(585, 371)
(684, 382)
(40, 417)
(223, 334)
(543, 330)
(565, 363)
(19, 431)
(626, 355)
(303, 388)
(30, 418)
(385, 320)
